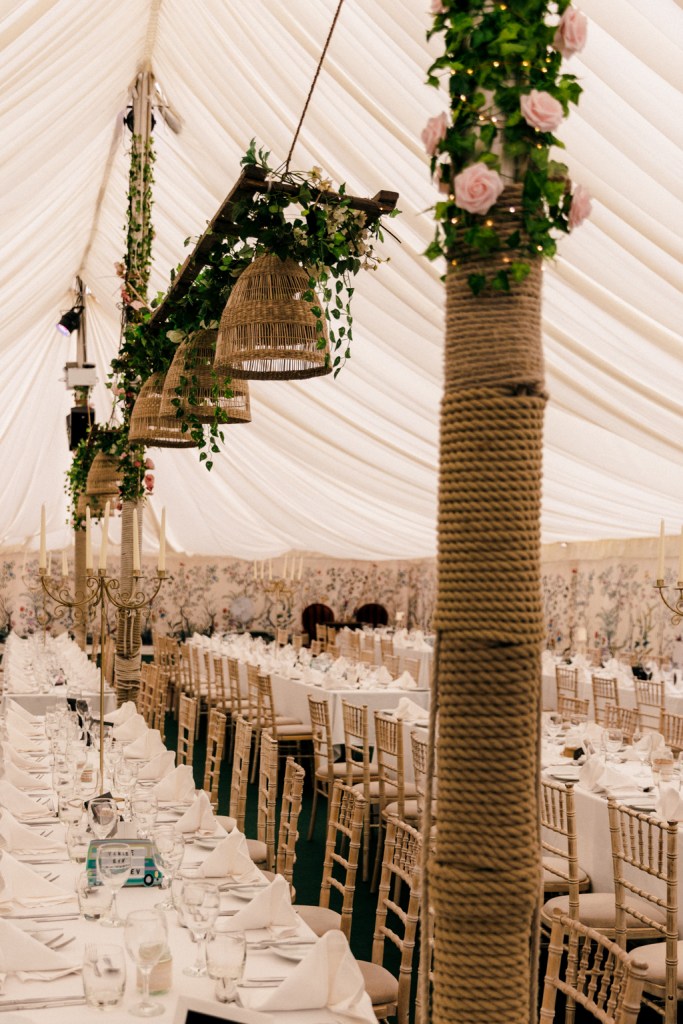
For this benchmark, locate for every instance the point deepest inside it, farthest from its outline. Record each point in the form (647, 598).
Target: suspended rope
(313, 83)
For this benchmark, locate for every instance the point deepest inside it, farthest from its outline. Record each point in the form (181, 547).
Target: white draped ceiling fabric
(345, 467)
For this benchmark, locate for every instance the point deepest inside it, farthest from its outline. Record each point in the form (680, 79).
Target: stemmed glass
(145, 938)
(103, 814)
(613, 741)
(642, 749)
(125, 779)
(114, 863)
(144, 808)
(226, 954)
(200, 902)
(169, 850)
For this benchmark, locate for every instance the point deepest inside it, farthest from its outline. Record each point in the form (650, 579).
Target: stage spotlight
(70, 320)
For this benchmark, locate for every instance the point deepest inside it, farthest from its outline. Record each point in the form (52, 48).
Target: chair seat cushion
(553, 882)
(258, 851)
(295, 729)
(226, 821)
(409, 789)
(654, 957)
(380, 984)
(596, 909)
(319, 919)
(410, 810)
(338, 770)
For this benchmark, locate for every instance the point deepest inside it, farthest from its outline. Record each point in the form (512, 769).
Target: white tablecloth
(38, 703)
(673, 696)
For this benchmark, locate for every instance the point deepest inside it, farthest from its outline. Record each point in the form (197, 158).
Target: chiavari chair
(215, 743)
(560, 856)
(625, 719)
(187, 720)
(360, 772)
(325, 769)
(240, 771)
(672, 730)
(392, 787)
(650, 703)
(605, 691)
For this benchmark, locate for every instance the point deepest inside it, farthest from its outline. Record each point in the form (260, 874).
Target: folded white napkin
(271, 908)
(31, 764)
(20, 804)
(598, 777)
(20, 741)
(406, 682)
(231, 857)
(17, 838)
(30, 959)
(131, 729)
(19, 709)
(158, 767)
(669, 805)
(200, 818)
(21, 779)
(15, 721)
(409, 711)
(122, 714)
(383, 676)
(327, 977)
(177, 787)
(146, 746)
(21, 886)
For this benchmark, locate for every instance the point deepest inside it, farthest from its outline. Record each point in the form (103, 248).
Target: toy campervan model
(144, 870)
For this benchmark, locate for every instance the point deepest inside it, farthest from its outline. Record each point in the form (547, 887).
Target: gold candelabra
(677, 606)
(101, 588)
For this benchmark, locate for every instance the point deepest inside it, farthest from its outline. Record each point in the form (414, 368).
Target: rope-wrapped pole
(484, 875)
(80, 626)
(128, 657)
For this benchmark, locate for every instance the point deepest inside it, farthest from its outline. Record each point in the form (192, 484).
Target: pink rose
(541, 110)
(477, 188)
(580, 208)
(149, 464)
(149, 479)
(434, 132)
(437, 7)
(571, 33)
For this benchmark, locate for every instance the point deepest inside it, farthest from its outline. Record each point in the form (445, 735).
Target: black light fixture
(129, 120)
(70, 320)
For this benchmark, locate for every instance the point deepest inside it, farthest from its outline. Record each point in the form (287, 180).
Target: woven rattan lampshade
(104, 476)
(267, 331)
(193, 363)
(148, 426)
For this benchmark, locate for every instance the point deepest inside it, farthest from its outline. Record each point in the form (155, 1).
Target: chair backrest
(645, 855)
(419, 745)
(221, 684)
(298, 641)
(240, 771)
(288, 831)
(145, 697)
(282, 637)
(317, 647)
(267, 708)
(344, 829)
(254, 710)
(390, 662)
(412, 667)
(323, 748)
(186, 670)
(400, 867)
(235, 686)
(321, 632)
(160, 699)
(558, 816)
(356, 743)
(625, 719)
(605, 691)
(672, 730)
(215, 744)
(390, 761)
(267, 796)
(386, 644)
(573, 708)
(650, 703)
(331, 639)
(187, 721)
(603, 978)
(349, 644)
(566, 681)
(367, 656)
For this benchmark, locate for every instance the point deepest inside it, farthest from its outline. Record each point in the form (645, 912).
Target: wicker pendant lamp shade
(267, 331)
(148, 426)
(104, 477)
(190, 381)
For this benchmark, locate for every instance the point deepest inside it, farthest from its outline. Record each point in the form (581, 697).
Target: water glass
(226, 955)
(662, 762)
(103, 816)
(77, 841)
(169, 850)
(200, 903)
(146, 935)
(104, 976)
(71, 808)
(144, 808)
(614, 739)
(114, 864)
(94, 901)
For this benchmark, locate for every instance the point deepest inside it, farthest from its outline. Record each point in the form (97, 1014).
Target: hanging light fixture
(104, 477)
(148, 426)
(70, 320)
(190, 381)
(268, 331)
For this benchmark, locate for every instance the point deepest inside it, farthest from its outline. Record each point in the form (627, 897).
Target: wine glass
(614, 739)
(114, 863)
(226, 954)
(125, 779)
(103, 814)
(169, 850)
(145, 937)
(200, 902)
(144, 808)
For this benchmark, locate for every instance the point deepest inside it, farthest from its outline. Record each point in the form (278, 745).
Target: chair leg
(313, 811)
(257, 747)
(366, 842)
(378, 856)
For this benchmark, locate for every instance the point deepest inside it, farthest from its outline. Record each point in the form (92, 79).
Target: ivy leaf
(501, 281)
(477, 283)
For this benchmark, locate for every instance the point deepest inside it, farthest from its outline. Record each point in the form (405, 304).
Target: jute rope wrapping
(190, 382)
(80, 621)
(484, 876)
(103, 477)
(148, 426)
(128, 658)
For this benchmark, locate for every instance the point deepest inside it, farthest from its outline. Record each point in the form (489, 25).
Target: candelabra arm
(677, 608)
(135, 601)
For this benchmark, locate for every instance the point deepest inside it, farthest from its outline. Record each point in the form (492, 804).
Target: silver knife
(41, 1003)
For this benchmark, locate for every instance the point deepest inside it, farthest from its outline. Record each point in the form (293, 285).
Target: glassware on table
(169, 849)
(104, 975)
(226, 954)
(71, 808)
(94, 901)
(614, 739)
(114, 864)
(78, 840)
(144, 809)
(145, 936)
(200, 902)
(125, 780)
(662, 764)
(641, 748)
(103, 815)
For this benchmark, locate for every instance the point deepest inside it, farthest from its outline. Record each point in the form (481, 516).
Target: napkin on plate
(30, 959)
(328, 977)
(669, 804)
(21, 886)
(231, 857)
(122, 714)
(18, 839)
(20, 805)
(383, 676)
(405, 682)
(19, 723)
(200, 818)
(158, 767)
(146, 746)
(271, 908)
(131, 729)
(31, 764)
(598, 777)
(20, 710)
(21, 779)
(20, 741)
(409, 711)
(177, 787)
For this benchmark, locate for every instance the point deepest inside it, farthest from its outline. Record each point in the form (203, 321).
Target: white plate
(292, 952)
(247, 893)
(565, 774)
(208, 842)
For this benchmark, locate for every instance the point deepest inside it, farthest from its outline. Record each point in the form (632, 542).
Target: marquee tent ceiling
(345, 467)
